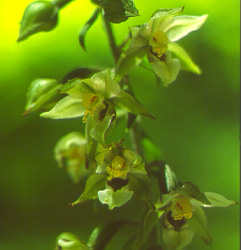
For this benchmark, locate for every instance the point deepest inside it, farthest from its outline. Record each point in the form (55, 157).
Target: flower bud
(38, 16)
(71, 151)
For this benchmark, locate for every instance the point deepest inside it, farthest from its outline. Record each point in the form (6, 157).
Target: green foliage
(117, 11)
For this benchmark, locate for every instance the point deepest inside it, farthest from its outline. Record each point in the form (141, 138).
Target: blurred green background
(197, 124)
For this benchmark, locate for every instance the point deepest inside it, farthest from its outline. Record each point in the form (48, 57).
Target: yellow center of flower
(159, 42)
(88, 103)
(117, 169)
(181, 208)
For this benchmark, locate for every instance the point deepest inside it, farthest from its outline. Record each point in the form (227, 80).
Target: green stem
(114, 49)
(135, 134)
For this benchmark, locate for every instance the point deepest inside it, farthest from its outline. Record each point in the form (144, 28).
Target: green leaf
(117, 11)
(87, 26)
(68, 107)
(190, 190)
(114, 198)
(38, 16)
(185, 59)
(218, 200)
(102, 234)
(140, 184)
(198, 223)
(146, 225)
(128, 61)
(42, 95)
(69, 241)
(130, 104)
(93, 184)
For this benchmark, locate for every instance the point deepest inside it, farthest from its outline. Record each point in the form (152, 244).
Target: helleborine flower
(117, 162)
(184, 215)
(88, 97)
(157, 38)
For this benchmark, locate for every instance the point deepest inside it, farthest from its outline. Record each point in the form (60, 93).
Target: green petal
(167, 71)
(198, 223)
(68, 107)
(186, 61)
(130, 104)
(114, 199)
(218, 200)
(183, 25)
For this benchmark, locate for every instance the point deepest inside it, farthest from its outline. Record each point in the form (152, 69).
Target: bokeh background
(197, 125)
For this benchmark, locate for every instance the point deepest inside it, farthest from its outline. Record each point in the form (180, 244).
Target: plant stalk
(114, 49)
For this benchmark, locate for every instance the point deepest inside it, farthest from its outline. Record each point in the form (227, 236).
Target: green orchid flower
(157, 38)
(117, 162)
(184, 217)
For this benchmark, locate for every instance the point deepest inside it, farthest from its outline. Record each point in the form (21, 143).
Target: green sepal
(68, 107)
(93, 184)
(38, 16)
(102, 234)
(77, 85)
(198, 223)
(130, 104)
(128, 61)
(186, 61)
(104, 122)
(117, 11)
(146, 65)
(81, 72)
(140, 184)
(87, 26)
(42, 95)
(218, 200)
(148, 221)
(171, 179)
(167, 12)
(190, 190)
(69, 241)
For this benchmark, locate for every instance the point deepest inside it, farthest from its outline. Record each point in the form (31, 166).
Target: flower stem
(114, 49)
(136, 135)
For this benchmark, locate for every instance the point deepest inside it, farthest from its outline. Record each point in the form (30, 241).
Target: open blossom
(157, 38)
(183, 215)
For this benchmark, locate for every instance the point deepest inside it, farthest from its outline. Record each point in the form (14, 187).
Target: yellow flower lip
(159, 42)
(117, 169)
(181, 207)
